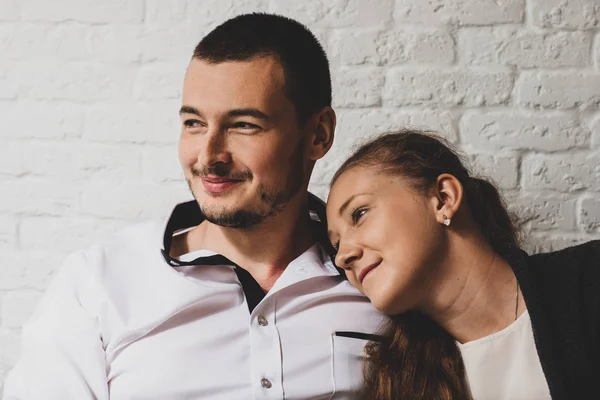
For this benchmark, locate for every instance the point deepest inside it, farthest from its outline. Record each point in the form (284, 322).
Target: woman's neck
(475, 291)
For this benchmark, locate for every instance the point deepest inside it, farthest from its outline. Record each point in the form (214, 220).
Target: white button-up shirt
(118, 322)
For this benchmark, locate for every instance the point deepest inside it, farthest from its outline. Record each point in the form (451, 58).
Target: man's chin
(230, 217)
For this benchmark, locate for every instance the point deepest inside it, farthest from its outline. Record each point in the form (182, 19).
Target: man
(236, 297)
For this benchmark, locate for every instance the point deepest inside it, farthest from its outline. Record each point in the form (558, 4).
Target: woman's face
(388, 239)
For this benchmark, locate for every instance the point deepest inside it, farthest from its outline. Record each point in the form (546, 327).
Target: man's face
(242, 150)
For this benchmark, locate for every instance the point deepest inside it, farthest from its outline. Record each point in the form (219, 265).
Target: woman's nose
(347, 254)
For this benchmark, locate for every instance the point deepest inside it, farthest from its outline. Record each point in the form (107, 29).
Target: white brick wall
(89, 97)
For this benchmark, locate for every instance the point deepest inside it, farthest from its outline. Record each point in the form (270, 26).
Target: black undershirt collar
(188, 214)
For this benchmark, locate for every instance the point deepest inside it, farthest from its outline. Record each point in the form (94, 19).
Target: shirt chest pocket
(348, 356)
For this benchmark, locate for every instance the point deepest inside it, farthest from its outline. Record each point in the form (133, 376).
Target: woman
(473, 316)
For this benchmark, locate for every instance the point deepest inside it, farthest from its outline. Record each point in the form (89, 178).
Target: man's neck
(263, 250)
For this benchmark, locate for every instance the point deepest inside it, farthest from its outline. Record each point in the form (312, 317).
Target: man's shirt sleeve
(62, 355)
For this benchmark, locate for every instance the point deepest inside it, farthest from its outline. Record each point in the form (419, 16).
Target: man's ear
(447, 196)
(321, 133)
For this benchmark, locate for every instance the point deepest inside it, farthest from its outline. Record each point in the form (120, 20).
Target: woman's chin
(385, 306)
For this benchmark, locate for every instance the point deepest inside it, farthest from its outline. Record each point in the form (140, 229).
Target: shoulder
(585, 256)
(570, 275)
(123, 249)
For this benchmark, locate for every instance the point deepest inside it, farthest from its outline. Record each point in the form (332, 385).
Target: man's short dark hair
(305, 65)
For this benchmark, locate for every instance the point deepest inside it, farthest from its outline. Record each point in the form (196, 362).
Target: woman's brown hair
(418, 359)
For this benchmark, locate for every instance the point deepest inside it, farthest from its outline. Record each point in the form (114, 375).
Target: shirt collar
(187, 215)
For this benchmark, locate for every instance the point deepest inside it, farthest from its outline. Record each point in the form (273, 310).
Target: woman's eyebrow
(348, 201)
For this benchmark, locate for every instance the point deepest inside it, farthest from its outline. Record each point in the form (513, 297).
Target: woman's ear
(447, 197)
(322, 133)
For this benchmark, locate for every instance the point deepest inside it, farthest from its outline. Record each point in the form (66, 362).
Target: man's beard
(272, 199)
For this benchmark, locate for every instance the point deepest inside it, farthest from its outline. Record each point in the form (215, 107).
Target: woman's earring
(446, 220)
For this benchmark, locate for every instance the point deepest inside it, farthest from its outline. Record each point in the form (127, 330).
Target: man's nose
(213, 149)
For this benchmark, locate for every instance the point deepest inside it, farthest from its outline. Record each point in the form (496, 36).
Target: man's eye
(358, 213)
(192, 123)
(245, 125)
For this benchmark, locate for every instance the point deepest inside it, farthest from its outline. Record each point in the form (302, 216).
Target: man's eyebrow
(189, 110)
(248, 112)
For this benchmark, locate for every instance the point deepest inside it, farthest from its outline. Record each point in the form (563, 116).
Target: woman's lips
(218, 184)
(363, 273)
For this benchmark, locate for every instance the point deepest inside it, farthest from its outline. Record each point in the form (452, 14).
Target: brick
(108, 11)
(321, 191)
(10, 346)
(56, 120)
(8, 82)
(443, 122)
(175, 46)
(135, 122)
(351, 47)
(459, 12)
(596, 51)
(87, 160)
(121, 43)
(542, 211)
(538, 242)
(562, 172)
(213, 12)
(11, 159)
(162, 12)
(357, 87)
(432, 87)
(76, 82)
(143, 199)
(159, 83)
(501, 169)
(26, 41)
(17, 307)
(323, 172)
(11, 10)
(147, 43)
(336, 13)
(8, 231)
(356, 125)
(31, 269)
(35, 196)
(527, 131)
(108, 161)
(65, 234)
(422, 46)
(565, 14)
(589, 215)
(595, 126)
(562, 90)
(524, 48)
(161, 163)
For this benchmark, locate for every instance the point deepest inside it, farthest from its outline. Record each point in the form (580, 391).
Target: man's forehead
(252, 83)
(265, 68)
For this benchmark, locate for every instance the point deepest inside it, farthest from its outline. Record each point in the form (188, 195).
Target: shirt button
(262, 321)
(266, 383)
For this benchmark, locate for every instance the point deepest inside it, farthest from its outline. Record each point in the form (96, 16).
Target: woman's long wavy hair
(417, 359)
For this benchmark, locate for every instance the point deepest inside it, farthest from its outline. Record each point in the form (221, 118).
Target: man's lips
(363, 272)
(218, 184)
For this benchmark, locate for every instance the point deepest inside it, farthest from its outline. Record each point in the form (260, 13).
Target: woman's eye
(358, 213)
